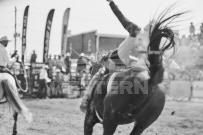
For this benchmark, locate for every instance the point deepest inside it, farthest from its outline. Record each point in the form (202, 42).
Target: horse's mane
(160, 28)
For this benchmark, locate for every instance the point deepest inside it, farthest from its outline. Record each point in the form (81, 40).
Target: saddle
(5, 70)
(140, 72)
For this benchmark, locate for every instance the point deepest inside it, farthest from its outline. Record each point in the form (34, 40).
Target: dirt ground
(63, 117)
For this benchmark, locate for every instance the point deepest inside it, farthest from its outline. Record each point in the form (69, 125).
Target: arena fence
(179, 89)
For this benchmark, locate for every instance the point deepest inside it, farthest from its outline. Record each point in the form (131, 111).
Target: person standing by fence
(200, 37)
(58, 83)
(67, 63)
(43, 79)
(201, 28)
(33, 57)
(81, 64)
(192, 29)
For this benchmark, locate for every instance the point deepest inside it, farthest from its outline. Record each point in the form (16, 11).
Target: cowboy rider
(4, 57)
(119, 56)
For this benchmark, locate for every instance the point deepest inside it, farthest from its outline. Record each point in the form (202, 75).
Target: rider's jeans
(92, 83)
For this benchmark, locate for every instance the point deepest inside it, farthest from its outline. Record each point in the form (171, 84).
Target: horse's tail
(14, 100)
(158, 30)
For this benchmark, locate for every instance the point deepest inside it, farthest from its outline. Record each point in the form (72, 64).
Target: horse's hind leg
(15, 116)
(90, 120)
(137, 130)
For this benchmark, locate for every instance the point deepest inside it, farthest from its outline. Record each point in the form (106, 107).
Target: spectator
(50, 61)
(60, 64)
(192, 29)
(33, 57)
(55, 60)
(67, 63)
(201, 28)
(200, 38)
(58, 82)
(81, 65)
(43, 80)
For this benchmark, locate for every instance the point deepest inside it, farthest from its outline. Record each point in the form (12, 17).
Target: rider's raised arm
(132, 28)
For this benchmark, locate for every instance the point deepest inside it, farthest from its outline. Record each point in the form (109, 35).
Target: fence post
(191, 91)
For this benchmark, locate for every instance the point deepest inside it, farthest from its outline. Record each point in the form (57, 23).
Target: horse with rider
(120, 94)
(9, 86)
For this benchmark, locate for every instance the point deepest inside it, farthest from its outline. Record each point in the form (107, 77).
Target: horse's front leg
(15, 116)
(90, 120)
(109, 127)
(109, 120)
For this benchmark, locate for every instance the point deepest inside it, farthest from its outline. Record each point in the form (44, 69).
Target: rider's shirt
(132, 42)
(4, 59)
(125, 49)
(43, 74)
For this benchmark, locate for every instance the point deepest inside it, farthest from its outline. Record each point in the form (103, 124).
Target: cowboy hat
(4, 38)
(68, 54)
(58, 70)
(82, 54)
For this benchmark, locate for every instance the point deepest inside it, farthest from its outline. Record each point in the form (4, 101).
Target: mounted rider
(119, 57)
(5, 60)
(4, 57)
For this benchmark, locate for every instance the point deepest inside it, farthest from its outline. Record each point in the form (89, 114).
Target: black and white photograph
(101, 67)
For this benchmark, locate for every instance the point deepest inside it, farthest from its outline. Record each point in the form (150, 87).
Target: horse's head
(95, 67)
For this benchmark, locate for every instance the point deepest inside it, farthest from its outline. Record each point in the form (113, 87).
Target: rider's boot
(88, 95)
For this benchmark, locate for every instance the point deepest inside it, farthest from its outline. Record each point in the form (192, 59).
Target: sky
(85, 15)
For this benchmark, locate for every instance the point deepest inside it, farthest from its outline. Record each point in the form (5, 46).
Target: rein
(26, 81)
(167, 62)
(152, 52)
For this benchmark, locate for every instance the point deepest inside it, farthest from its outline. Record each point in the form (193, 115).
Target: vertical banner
(24, 32)
(65, 31)
(47, 35)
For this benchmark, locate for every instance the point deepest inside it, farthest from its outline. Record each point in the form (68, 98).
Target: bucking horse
(121, 98)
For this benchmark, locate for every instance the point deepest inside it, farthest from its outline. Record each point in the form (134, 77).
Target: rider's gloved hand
(14, 54)
(109, 1)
